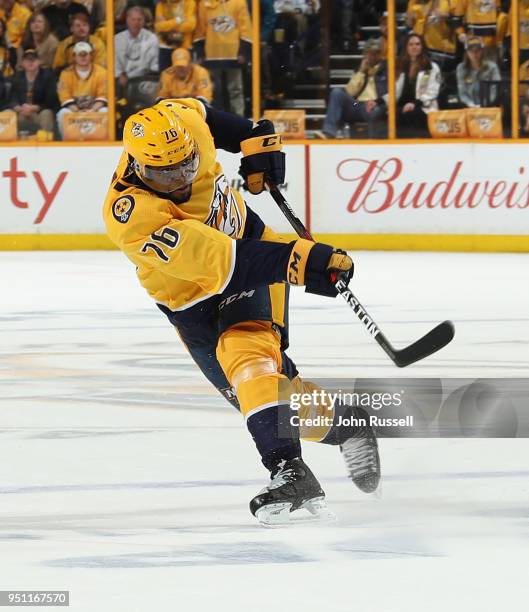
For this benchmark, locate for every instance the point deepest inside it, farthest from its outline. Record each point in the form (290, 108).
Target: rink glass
(307, 54)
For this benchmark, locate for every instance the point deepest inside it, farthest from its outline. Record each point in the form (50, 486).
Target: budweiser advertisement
(420, 189)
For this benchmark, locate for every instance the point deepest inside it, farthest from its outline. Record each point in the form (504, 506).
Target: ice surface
(125, 479)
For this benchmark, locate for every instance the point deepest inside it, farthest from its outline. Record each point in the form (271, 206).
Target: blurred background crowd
(323, 61)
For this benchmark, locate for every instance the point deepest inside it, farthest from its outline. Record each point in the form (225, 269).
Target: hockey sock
(274, 438)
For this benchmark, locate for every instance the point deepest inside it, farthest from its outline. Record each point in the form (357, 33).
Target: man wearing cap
(80, 32)
(474, 70)
(363, 98)
(185, 79)
(135, 49)
(34, 97)
(83, 85)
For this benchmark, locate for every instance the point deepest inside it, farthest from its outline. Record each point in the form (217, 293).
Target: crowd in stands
(53, 57)
(451, 54)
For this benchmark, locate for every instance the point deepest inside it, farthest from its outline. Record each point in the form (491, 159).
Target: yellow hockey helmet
(164, 153)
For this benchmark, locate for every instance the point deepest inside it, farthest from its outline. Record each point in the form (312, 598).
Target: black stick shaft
(341, 287)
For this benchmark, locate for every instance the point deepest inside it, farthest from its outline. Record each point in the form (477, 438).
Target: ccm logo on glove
(262, 158)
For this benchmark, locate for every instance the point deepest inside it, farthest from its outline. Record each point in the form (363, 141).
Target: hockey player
(221, 277)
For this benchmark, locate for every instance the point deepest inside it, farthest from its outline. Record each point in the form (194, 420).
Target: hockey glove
(262, 158)
(318, 266)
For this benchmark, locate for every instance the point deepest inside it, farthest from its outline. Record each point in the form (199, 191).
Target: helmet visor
(167, 179)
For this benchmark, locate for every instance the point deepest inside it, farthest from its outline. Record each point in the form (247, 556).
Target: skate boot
(360, 453)
(292, 487)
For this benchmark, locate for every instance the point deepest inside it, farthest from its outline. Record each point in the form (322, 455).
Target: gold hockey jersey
(174, 20)
(72, 86)
(223, 24)
(198, 83)
(435, 21)
(184, 253)
(482, 18)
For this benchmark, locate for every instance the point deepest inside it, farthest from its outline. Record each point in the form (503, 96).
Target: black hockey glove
(318, 266)
(262, 158)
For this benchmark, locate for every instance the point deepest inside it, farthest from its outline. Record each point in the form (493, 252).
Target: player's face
(167, 179)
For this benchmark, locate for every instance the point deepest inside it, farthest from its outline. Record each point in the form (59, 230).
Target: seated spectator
(82, 86)
(15, 15)
(80, 32)
(437, 22)
(185, 79)
(225, 50)
(474, 73)
(135, 50)
(34, 96)
(363, 97)
(59, 13)
(418, 84)
(174, 22)
(38, 36)
(7, 53)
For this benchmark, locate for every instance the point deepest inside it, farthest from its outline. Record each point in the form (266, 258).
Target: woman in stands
(476, 76)
(38, 36)
(418, 84)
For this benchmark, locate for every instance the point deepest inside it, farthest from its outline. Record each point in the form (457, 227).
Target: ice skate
(360, 453)
(293, 487)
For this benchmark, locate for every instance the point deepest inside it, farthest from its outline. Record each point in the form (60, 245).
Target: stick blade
(432, 342)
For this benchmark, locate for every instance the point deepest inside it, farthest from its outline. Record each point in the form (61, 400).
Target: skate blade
(279, 515)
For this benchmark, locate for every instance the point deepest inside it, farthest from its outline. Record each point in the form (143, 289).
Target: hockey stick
(433, 341)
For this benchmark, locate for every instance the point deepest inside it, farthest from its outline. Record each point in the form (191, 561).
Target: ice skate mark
(211, 554)
(191, 484)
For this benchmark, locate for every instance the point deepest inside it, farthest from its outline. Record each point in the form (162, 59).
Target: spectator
(418, 84)
(174, 22)
(7, 53)
(474, 74)
(82, 86)
(223, 38)
(185, 79)
(135, 50)
(436, 22)
(59, 14)
(16, 16)
(38, 36)
(34, 96)
(80, 32)
(302, 11)
(267, 20)
(363, 97)
(348, 25)
(484, 19)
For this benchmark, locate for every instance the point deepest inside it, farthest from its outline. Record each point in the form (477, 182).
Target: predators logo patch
(224, 213)
(222, 23)
(122, 208)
